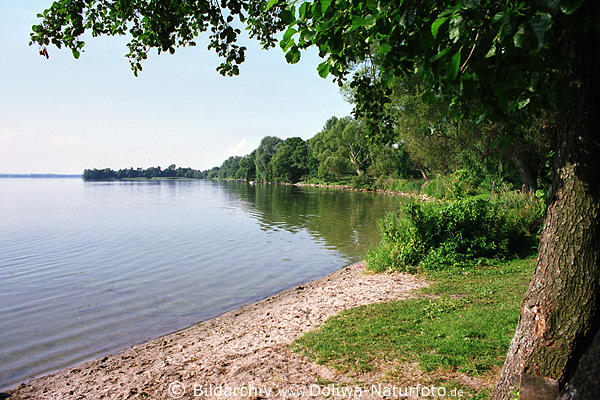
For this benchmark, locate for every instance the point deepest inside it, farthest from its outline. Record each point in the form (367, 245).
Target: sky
(64, 115)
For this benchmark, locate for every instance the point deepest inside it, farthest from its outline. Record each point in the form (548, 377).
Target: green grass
(461, 324)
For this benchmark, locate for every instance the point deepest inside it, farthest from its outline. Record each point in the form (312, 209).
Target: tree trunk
(556, 346)
(527, 178)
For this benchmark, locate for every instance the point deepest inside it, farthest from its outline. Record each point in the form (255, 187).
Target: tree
(390, 160)
(494, 61)
(355, 141)
(229, 167)
(341, 148)
(265, 151)
(491, 61)
(292, 161)
(212, 173)
(247, 168)
(160, 25)
(328, 149)
(439, 144)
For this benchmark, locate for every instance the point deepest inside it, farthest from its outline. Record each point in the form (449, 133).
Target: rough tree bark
(557, 342)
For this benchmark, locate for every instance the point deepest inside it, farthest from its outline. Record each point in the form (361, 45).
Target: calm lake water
(88, 268)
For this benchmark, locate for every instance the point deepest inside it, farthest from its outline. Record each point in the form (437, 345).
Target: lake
(89, 268)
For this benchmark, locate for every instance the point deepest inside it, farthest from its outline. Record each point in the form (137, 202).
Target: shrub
(455, 234)
(523, 213)
(457, 185)
(361, 182)
(435, 187)
(399, 185)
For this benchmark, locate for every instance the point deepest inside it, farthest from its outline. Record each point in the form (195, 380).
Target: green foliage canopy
(161, 25)
(491, 57)
(264, 153)
(229, 167)
(247, 168)
(293, 161)
(495, 57)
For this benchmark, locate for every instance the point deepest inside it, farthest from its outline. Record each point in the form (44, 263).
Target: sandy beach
(241, 354)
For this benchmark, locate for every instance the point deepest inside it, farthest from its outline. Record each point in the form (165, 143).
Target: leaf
(387, 78)
(455, 28)
(370, 21)
(384, 48)
(270, 4)
(357, 23)
(441, 54)
(540, 24)
(323, 69)
(293, 55)
(288, 34)
(492, 51)
(454, 66)
(336, 43)
(315, 11)
(322, 27)
(308, 35)
(524, 38)
(449, 11)
(286, 44)
(522, 103)
(287, 15)
(501, 16)
(570, 6)
(436, 25)
(471, 3)
(302, 10)
(325, 4)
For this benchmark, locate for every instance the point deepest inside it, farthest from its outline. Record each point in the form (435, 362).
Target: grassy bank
(455, 334)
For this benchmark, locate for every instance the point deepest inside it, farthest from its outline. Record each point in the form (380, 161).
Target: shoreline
(245, 346)
(415, 196)
(422, 197)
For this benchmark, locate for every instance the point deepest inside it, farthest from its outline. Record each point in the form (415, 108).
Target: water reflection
(346, 221)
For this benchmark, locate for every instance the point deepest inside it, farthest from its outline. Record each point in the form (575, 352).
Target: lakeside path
(244, 349)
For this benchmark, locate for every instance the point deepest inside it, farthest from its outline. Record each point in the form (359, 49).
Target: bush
(457, 185)
(361, 182)
(455, 234)
(399, 185)
(523, 213)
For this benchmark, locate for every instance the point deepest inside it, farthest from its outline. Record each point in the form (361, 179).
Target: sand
(244, 353)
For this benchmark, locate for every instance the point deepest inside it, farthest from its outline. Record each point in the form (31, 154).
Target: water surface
(88, 268)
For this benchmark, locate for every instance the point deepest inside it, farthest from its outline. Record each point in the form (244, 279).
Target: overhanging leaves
(454, 66)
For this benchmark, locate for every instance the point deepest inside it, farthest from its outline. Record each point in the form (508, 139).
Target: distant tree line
(420, 142)
(340, 150)
(139, 173)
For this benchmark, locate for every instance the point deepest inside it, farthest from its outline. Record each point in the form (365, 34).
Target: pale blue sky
(63, 115)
